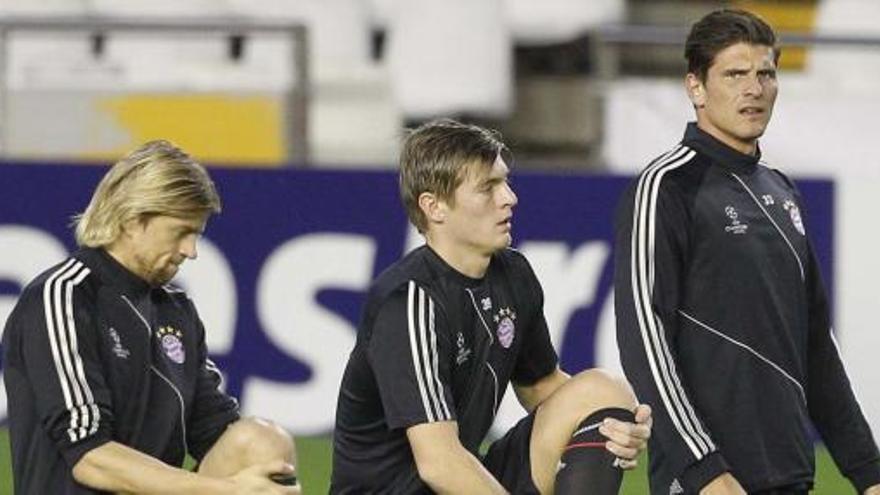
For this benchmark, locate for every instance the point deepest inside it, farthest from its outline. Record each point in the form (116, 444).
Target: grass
(314, 470)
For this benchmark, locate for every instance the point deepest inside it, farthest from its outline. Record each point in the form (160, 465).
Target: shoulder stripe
(49, 314)
(423, 346)
(414, 348)
(659, 356)
(435, 359)
(428, 339)
(61, 328)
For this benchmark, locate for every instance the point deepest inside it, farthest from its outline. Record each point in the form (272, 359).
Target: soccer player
(106, 370)
(723, 322)
(446, 328)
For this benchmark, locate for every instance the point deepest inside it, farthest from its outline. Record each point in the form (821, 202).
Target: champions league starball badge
(169, 338)
(506, 329)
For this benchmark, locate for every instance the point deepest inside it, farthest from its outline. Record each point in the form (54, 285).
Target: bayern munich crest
(506, 329)
(795, 213)
(172, 345)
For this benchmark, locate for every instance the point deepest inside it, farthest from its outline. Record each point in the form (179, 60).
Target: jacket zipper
(163, 377)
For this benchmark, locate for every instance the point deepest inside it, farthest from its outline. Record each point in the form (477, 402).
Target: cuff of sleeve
(699, 474)
(865, 476)
(72, 453)
(205, 433)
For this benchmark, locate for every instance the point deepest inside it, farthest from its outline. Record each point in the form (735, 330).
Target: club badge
(795, 213)
(505, 329)
(169, 338)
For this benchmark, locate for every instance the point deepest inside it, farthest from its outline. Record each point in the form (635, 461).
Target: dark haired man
(723, 321)
(445, 329)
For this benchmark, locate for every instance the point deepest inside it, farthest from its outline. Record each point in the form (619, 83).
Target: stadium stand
(353, 119)
(450, 57)
(530, 68)
(558, 92)
(157, 60)
(37, 59)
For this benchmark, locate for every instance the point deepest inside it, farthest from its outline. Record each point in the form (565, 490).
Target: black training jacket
(723, 325)
(91, 353)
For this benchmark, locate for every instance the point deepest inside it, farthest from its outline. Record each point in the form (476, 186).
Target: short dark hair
(721, 29)
(435, 158)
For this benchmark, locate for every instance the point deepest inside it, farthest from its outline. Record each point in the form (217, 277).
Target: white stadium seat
(450, 56)
(352, 116)
(44, 58)
(161, 59)
(558, 21)
(338, 31)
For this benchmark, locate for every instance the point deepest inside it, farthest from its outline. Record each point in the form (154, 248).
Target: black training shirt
(434, 345)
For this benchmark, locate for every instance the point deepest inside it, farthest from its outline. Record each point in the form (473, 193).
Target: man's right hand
(725, 484)
(256, 480)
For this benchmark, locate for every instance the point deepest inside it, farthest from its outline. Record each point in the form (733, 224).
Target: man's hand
(872, 490)
(725, 484)
(628, 440)
(256, 479)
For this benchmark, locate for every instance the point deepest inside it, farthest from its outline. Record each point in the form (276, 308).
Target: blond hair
(434, 158)
(158, 178)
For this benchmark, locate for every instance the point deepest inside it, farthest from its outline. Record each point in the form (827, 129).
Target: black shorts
(509, 459)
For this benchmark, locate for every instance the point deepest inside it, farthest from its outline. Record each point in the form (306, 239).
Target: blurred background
(297, 107)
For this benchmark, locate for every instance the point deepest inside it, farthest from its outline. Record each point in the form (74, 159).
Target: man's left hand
(627, 440)
(873, 490)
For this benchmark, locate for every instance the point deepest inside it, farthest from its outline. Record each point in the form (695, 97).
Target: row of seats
(443, 56)
(440, 57)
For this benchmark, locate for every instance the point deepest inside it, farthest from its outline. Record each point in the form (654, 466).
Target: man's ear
(433, 207)
(696, 90)
(133, 225)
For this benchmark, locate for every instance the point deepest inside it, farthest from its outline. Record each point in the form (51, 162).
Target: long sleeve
(213, 410)
(54, 347)
(651, 258)
(832, 404)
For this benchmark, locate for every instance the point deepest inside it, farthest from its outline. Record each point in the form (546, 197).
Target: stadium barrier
(282, 271)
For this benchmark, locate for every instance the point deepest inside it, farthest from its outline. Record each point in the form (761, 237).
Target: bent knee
(259, 440)
(597, 388)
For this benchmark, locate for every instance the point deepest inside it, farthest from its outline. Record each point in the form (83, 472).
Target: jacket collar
(444, 267)
(112, 272)
(720, 153)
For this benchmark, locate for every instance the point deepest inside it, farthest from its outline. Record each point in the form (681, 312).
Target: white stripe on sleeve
(423, 346)
(660, 359)
(413, 328)
(61, 327)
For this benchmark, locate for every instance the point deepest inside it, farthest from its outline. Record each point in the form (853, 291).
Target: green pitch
(314, 470)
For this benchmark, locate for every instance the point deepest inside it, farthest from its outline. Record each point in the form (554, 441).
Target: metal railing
(611, 37)
(297, 100)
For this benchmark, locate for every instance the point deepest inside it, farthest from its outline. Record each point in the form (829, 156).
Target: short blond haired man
(446, 328)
